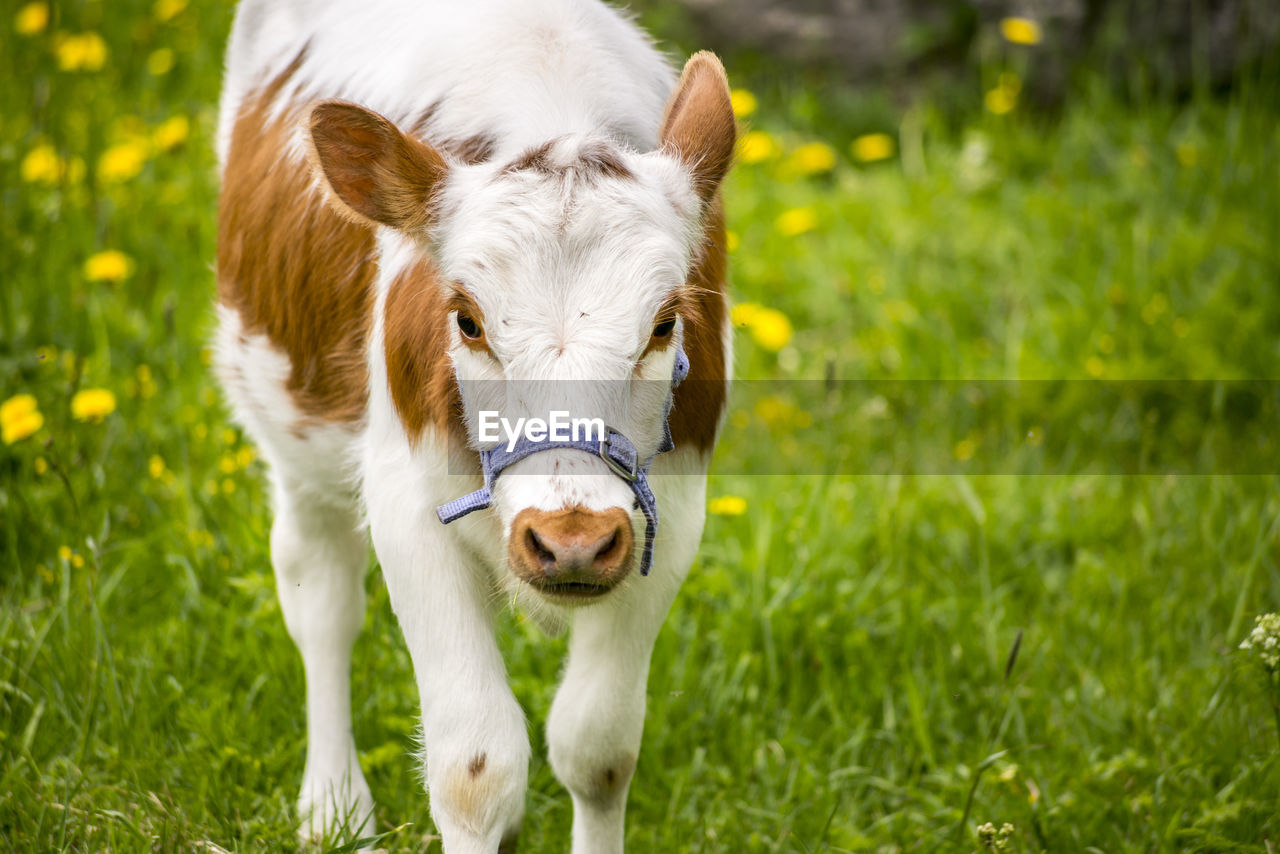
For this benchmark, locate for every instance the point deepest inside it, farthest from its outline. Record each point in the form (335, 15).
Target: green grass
(834, 677)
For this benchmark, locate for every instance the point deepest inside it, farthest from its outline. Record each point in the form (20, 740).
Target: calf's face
(565, 280)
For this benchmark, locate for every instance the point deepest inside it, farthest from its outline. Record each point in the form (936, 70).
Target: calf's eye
(664, 328)
(468, 327)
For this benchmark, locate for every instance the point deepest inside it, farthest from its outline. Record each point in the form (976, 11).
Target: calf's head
(564, 276)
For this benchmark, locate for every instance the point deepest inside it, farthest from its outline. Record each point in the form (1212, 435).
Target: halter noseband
(617, 451)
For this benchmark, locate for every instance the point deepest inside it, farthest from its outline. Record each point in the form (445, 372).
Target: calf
(431, 213)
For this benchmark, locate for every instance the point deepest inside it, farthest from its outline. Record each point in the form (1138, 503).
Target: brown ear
(699, 124)
(378, 174)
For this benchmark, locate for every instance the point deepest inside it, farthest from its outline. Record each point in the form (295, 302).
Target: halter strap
(617, 451)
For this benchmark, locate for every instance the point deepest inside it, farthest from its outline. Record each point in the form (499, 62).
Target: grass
(837, 674)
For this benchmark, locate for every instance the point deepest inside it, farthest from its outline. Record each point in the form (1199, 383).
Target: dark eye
(663, 329)
(468, 327)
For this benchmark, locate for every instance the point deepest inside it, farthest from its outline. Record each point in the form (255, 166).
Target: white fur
(569, 274)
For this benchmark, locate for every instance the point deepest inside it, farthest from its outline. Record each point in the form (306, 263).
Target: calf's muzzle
(574, 553)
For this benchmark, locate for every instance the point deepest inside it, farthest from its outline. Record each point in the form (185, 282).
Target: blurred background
(995, 507)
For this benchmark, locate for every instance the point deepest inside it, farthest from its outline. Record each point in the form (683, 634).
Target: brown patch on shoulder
(416, 343)
(472, 149)
(700, 399)
(292, 268)
(477, 764)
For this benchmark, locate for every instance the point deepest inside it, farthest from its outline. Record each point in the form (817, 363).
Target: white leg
(477, 746)
(320, 557)
(597, 718)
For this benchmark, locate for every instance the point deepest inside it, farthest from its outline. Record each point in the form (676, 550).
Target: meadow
(866, 656)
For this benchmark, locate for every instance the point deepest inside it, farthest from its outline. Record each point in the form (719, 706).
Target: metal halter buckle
(630, 475)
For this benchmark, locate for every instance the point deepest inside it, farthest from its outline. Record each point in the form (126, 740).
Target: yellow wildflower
(245, 456)
(160, 61)
(1095, 366)
(123, 161)
(165, 10)
(93, 404)
(19, 418)
(171, 133)
(31, 19)
(744, 313)
(965, 449)
(41, 465)
(871, 147)
(227, 464)
(744, 103)
(228, 485)
(732, 241)
(110, 265)
(756, 146)
(42, 165)
(811, 159)
(796, 221)
(1000, 100)
(155, 466)
(64, 552)
(769, 327)
(76, 560)
(1021, 31)
(83, 52)
(727, 505)
(229, 436)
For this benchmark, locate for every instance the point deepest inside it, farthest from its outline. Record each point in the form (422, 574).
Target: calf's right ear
(699, 126)
(377, 175)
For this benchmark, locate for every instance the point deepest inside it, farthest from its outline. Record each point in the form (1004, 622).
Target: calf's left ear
(699, 125)
(378, 175)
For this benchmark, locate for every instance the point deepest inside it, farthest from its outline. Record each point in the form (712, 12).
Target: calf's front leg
(597, 717)
(477, 746)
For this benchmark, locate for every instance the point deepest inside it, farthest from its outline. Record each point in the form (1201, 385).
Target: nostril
(605, 552)
(545, 556)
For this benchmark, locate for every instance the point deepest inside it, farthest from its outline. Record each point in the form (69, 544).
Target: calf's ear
(377, 174)
(698, 125)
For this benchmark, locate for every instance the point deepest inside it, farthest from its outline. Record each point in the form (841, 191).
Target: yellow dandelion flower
(229, 436)
(743, 313)
(796, 221)
(160, 61)
(756, 147)
(42, 165)
(812, 159)
(965, 449)
(64, 552)
(123, 161)
(40, 466)
(871, 147)
(771, 329)
(201, 432)
(1021, 31)
(732, 241)
(1000, 101)
(83, 52)
(228, 485)
(245, 456)
(31, 19)
(17, 406)
(77, 561)
(93, 404)
(727, 505)
(166, 10)
(19, 418)
(171, 133)
(227, 464)
(744, 103)
(1095, 366)
(110, 265)
(155, 467)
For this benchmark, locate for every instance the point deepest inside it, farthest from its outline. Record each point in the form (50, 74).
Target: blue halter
(615, 449)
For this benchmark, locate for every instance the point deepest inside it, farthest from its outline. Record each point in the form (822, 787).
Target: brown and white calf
(418, 197)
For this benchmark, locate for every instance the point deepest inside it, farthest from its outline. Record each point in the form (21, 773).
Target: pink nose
(571, 553)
